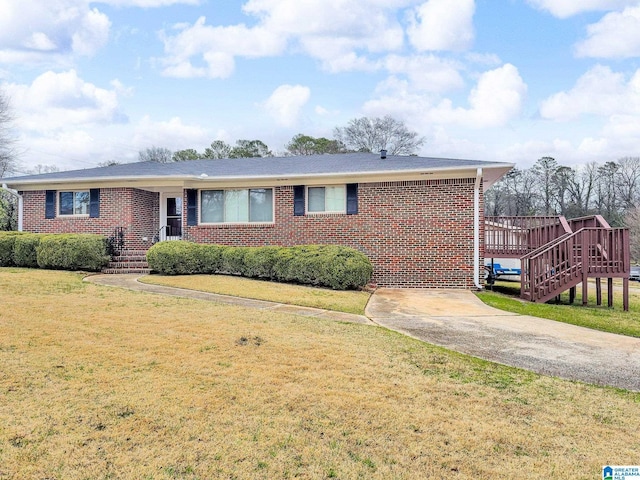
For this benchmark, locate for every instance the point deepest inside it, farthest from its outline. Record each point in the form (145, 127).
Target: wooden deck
(557, 254)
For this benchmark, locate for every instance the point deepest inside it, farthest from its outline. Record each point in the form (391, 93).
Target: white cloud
(442, 25)
(173, 134)
(616, 35)
(149, 3)
(426, 72)
(338, 33)
(600, 91)
(216, 47)
(55, 101)
(51, 31)
(567, 8)
(285, 103)
(495, 100)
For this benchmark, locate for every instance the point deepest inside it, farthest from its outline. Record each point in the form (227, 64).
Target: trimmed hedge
(55, 251)
(25, 252)
(72, 252)
(331, 266)
(7, 242)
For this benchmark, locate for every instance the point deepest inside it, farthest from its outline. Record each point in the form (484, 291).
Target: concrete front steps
(128, 261)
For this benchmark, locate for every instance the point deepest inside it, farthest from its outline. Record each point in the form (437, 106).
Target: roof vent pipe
(383, 154)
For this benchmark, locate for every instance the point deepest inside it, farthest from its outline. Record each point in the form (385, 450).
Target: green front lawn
(348, 301)
(99, 382)
(614, 320)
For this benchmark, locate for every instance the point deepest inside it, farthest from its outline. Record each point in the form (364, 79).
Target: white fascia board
(492, 172)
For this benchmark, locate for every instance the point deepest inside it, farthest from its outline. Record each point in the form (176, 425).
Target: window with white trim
(327, 199)
(73, 203)
(248, 205)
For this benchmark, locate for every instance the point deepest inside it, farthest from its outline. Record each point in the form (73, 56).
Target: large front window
(330, 199)
(236, 206)
(74, 203)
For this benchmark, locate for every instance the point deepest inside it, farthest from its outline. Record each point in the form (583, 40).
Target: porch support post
(585, 286)
(598, 292)
(625, 294)
(610, 292)
(476, 229)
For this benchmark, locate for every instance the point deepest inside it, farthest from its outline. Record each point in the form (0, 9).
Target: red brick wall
(417, 234)
(135, 210)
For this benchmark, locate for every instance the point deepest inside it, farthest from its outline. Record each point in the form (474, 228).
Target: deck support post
(625, 294)
(609, 292)
(572, 295)
(598, 291)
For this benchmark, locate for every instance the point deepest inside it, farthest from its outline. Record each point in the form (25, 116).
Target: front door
(172, 218)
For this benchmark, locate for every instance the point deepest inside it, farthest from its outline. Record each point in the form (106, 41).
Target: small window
(329, 199)
(74, 203)
(253, 205)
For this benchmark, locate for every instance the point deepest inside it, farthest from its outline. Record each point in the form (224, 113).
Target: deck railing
(513, 237)
(572, 259)
(557, 254)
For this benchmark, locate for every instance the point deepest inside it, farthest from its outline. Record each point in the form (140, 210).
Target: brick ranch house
(418, 219)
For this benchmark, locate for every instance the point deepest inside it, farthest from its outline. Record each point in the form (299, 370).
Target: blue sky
(506, 80)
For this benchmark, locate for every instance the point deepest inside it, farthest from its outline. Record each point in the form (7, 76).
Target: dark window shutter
(192, 207)
(50, 204)
(94, 202)
(352, 198)
(298, 200)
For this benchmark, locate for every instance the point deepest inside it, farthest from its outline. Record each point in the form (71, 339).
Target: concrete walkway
(458, 320)
(131, 282)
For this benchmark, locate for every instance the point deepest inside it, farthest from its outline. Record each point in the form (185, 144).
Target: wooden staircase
(556, 255)
(128, 261)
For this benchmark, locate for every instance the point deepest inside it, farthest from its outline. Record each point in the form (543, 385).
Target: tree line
(359, 135)
(611, 189)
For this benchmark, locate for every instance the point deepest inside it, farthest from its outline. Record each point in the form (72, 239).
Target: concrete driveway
(458, 320)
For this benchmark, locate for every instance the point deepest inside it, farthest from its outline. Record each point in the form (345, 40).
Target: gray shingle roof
(350, 163)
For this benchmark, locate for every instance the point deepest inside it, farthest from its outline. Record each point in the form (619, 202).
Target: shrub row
(331, 266)
(53, 251)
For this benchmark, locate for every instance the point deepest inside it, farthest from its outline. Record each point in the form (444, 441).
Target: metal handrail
(115, 243)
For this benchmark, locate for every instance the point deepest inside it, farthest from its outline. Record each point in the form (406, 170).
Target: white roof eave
(491, 173)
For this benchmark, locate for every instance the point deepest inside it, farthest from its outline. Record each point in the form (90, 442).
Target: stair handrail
(115, 242)
(157, 236)
(597, 220)
(526, 277)
(611, 257)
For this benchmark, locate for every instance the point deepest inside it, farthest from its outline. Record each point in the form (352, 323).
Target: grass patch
(348, 301)
(505, 296)
(99, 382)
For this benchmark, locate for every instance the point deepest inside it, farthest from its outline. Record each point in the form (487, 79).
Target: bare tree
(606, 198)
(545, 170)
(580, 188)
(375, 134)
(40, 168)
(7, 140)
(155, 154)
(8, 164)
(632, 221)
(628, 182)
